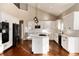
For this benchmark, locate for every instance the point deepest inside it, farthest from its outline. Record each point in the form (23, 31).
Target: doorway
(21, 30)
(15, 34)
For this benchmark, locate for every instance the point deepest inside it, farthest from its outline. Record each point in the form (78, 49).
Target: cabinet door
(56, 37)
(73, 44)
(37, 44)
(76, 20)
(68, 21)
(65, 43)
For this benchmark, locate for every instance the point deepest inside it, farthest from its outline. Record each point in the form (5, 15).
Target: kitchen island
(40, 44)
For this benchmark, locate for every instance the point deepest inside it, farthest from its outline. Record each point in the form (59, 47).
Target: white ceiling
(53, 8)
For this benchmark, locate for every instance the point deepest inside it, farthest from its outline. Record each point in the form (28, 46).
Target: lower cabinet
(65, 43)
(71, 44)
(56, 37)
(40, 44)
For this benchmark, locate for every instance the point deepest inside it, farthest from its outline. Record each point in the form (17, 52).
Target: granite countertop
(70, 35)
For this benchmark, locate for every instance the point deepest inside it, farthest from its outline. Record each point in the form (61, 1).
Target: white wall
(10, 19)
(40, 14)
(13, 10)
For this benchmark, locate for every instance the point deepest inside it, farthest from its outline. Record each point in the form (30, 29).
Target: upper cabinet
(71, 21)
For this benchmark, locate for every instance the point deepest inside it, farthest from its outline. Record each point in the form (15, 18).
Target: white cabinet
(40, 44)
(56, 37)
(71, 21)
(65, 43)
(71, 44)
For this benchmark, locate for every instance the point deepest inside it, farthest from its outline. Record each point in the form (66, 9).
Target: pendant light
(35, 18)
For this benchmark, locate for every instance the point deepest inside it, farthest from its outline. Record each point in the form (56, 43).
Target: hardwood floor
(25, 50)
